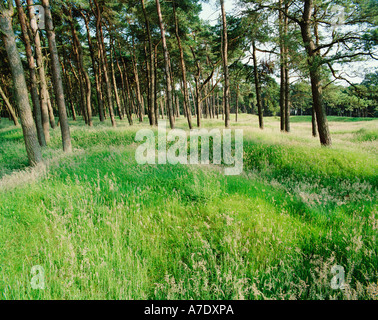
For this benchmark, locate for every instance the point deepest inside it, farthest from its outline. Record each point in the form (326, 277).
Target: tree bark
(152, 97)
(104, 62)
(258, 88)
(33, 148)
(118, 100)
(44, 93)
(167, 71)
(33, 76)
(286, 68)
(226, 94)
(57, 79)
(314, 59)
(183, 71)
(96, 69)
(84, 74)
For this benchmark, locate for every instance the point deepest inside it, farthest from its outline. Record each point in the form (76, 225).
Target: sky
(355, 71)
(211, 11)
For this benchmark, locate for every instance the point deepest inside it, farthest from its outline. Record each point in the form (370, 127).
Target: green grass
(104, 227)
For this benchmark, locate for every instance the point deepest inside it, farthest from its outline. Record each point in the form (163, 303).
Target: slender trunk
(287, 77)
(156, 107)
(183, 71)
(57, 79)
(118, 100)
(217, 105)
(44, 93)
(69, 86)
(148, 80)
(258, 88)
(137, 84)
(87, 91)
(151, 70)
(237, 102)
(104, 62)
(226, 95)
(33, 148)
(33, 76)
(167, 73)
(125, 92)
(96, 69)
(282, 68)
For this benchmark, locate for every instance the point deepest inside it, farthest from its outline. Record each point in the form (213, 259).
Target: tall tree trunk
(151, 70)
(287, 77)
(96, 69)
(282, 67)
(167, 71)
(156, 106)
(148, 80)
(87, 90)
(125, 91)
(183, 71)
(69, 86)
(33, 76)
(57, 79)
(237, 102)
(226, 94)
(33, 148)
(44, 93)
(258, 88)
(315, 74)
(137, 84)
(104, 62)
(118, 100)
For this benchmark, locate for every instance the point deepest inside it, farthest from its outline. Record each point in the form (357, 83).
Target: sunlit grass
(104, 227)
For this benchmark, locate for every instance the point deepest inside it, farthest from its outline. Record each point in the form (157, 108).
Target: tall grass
(104, 227)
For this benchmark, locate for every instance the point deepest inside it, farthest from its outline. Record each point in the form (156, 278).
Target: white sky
(211, 11)
(356, 71)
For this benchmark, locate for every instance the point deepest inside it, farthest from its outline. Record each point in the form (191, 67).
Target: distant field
(104, 227)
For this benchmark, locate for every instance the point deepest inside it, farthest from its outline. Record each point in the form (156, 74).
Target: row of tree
(146, 59)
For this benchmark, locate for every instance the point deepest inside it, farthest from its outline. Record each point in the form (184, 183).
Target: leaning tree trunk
(167, 71)
(33, 76)
(226, 94)
(11, 111)
(314, 60)
(57, 79)
(33, 148)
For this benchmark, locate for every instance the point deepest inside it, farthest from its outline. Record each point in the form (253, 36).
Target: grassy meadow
(104, 227)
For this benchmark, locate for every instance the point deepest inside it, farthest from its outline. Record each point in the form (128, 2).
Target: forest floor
(104, 227)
